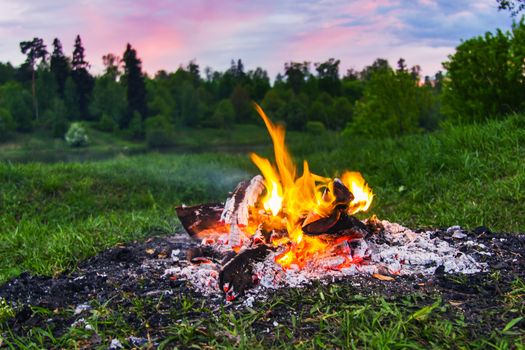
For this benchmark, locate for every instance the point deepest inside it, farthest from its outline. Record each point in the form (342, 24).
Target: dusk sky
(168, 33)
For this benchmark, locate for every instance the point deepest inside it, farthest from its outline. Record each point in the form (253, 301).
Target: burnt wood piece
(349, 224)
(321, 225)
(246, 194)
(236, 276)
(198, 254)
(229, 215)
(201, 220)
(236, 209)
(342, 194)
(374, 226)
(339, 223)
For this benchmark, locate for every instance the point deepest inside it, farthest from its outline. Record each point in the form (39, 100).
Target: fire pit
(281, 229)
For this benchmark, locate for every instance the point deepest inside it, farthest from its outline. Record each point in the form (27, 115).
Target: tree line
(483, 79)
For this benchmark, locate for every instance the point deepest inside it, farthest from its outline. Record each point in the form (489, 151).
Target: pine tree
(83, 80)
(59, 66)
(35, 50)
(135, 85)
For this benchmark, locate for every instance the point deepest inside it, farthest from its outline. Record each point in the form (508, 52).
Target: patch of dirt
(136, 270)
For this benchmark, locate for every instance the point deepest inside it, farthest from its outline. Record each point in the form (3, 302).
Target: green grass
(54, 215)
(317, 318)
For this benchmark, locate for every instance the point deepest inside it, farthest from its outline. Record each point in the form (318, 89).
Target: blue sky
(168, 33)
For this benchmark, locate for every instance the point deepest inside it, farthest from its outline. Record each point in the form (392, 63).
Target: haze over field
(265, 33)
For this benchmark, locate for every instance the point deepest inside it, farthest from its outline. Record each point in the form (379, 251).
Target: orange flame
(295, 198)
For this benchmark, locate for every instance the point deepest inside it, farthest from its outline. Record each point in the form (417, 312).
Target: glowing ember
(303, 200)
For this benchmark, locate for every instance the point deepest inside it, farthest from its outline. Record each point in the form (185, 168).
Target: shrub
(135, 129)
(106, 123)
(76, 136)
(7, 124)
(55, 118)
(222, 117)
(159, 132)
(315, 127)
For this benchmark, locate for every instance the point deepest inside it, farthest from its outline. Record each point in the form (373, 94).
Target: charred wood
(237, 275)
(315, 225)
(203, 219)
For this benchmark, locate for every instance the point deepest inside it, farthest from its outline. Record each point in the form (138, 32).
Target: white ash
(115, 344)
(81, 308)
(400, 251)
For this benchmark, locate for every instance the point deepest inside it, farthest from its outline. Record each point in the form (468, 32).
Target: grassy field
(53, 215)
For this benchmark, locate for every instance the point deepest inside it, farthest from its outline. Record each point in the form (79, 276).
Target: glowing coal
(397, 250)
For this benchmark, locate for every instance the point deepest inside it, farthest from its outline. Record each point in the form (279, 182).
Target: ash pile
(244, 250)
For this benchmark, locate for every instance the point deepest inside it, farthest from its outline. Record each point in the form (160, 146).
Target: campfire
(280, 228)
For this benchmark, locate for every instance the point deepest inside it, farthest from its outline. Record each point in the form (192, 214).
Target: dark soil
(134, 271)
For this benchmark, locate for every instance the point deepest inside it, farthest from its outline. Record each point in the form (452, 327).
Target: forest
(51, 91)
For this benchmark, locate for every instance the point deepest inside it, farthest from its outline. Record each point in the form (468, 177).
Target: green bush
(135, 129)
(55, 118)
(392, 105)
(315, 127)
(7, 124)
(106, 123)
(223, 116)
(485, 76)
(159, 132)
(76, 136)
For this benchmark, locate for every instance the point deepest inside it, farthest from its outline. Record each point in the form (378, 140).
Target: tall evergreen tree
(83, 80)
(35, 50)
(59, 66)
(135, 85)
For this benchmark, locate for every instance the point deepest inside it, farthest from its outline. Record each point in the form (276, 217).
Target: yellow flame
(295, 198)
(275, 200)
(363, 195)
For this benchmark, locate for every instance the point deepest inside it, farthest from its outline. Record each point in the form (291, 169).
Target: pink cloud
(167, 33)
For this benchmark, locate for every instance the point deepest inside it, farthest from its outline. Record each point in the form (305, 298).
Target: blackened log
(339, 223)
(321, 225)
(202, 220)
(349, 224)
(237, 275)
(342, 194)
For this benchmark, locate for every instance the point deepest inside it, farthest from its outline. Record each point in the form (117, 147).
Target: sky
(168, 33)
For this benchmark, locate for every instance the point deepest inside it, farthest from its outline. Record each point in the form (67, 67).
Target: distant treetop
(514, 6)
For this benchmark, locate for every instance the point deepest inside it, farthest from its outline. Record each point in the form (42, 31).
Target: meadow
(55, 214)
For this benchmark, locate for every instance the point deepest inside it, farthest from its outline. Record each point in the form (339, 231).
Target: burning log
(237, 275)
(338, 222)
(348, 224)
(315, 225)
(202, 220)
(342, 194)
(237, 207)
